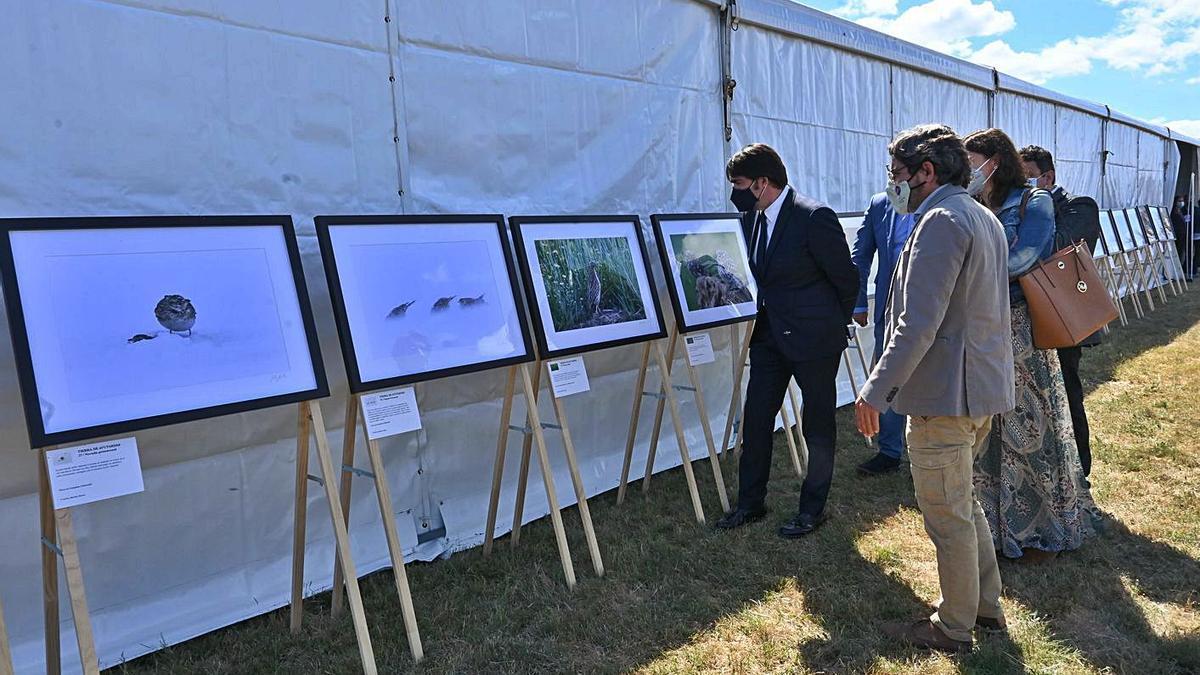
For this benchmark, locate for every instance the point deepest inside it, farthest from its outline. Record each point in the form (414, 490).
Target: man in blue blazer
(806, 290)
(883, 233)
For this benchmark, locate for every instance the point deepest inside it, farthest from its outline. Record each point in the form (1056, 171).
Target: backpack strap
(1025, 195)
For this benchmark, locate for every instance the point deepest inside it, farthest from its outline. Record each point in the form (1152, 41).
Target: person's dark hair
(757, 160)
(936, 144)
(1039, 156)
(1009, 174)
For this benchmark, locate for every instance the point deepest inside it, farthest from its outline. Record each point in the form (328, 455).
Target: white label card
(699, 349)
(90, 473)
(568, 376)
(391, 412)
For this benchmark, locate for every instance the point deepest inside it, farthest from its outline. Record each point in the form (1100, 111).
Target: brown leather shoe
(925, 635)
(987, 623)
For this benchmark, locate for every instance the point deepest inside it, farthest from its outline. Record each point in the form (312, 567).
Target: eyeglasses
(893, 173)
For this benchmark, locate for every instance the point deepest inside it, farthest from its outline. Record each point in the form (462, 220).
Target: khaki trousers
(942, 451)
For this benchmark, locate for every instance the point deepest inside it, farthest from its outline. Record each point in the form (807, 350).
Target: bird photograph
(471, 302)
(710, 276)
(443, 303)
(176, 314)
(400, 310)
(589, 282)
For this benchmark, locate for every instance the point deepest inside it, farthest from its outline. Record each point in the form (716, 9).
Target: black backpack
(1075, 217)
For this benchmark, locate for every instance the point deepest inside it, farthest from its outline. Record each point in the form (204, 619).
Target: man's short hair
(938, 145)
(757, 160)
(1038, 155)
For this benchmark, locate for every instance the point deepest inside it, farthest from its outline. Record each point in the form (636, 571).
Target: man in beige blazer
(948, 365)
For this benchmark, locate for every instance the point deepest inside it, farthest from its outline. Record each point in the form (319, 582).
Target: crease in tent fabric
(233, 23)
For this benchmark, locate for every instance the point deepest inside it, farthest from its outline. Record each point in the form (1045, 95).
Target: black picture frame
(544, 351)
(346, 339)
(38, 437)
(681, 324)
(1115, 229)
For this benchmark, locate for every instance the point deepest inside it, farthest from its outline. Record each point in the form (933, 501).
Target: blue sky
(1142, 57)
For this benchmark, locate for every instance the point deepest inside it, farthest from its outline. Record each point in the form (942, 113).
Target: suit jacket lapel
(784, 220)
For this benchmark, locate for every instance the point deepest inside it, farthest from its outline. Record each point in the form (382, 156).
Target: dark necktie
(760, 246)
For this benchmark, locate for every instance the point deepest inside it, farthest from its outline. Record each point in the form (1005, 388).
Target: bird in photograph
(443, 303)
(469, 302)
(400, 310)
(592, 299)
(176, 314)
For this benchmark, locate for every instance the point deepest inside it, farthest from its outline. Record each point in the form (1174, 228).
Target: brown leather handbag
(1067, 300)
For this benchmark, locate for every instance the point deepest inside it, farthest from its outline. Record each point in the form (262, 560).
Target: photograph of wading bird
(400, 310)
(469, 302)
(176, 314)
(443, 303)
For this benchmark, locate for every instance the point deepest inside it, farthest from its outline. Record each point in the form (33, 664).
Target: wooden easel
(666, 396)
(58, 540)
(533, 432)
(312, 423)
(356, 415)
(6, 662)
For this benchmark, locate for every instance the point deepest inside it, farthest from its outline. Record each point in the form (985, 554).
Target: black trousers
(1069, 357)
(770, 372)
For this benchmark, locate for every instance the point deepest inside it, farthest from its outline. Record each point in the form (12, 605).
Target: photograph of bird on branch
(589, 282)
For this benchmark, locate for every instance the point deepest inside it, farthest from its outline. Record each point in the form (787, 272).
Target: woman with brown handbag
(1029, 479)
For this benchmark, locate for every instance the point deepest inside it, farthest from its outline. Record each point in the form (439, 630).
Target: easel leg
(341, 536)
(526, 449)
(6, 662)
(383, 492)
(669, 393)
(803, 444)
(638, 388)
(735, 400)
(658, 416)
(49, 569)
(79, 608)
(585, 514)
(535, 423)
(850, 373)
(349, 437)
(489, 534)
(791, 442)
(708, 435)
(300, 517)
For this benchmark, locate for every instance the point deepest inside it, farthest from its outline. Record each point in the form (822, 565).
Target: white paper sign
(391, 412)
(90, 473)
(699, 349)
(569, 376)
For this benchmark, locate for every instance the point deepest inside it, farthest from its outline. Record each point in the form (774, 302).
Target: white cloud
(945, 25)
(1152, 37)
(1189, 127)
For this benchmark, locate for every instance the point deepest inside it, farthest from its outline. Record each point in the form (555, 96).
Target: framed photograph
(422, 297)
(588, 282)
(707, 265)
(127, 323)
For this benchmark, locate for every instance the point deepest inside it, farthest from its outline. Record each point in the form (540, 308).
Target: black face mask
(743, 199)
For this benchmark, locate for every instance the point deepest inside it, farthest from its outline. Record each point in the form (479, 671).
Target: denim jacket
(1031, 239)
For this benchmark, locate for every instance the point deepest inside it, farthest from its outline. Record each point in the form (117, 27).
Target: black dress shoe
(740, 516)
(879, 464)
(802, 524)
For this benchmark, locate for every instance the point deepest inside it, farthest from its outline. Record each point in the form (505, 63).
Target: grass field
(682, 598)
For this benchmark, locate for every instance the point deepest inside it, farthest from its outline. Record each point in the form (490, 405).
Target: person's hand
(867, 417)
(860, 318)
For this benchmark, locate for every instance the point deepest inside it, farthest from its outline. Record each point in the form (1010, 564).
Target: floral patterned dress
(1028, 479)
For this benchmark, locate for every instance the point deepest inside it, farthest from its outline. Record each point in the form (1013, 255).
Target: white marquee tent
(472, 106)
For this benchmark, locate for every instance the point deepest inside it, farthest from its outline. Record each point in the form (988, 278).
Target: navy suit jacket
(807, 285)
(874, 236)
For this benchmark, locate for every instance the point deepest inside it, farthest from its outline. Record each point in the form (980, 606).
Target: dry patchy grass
(682, 598)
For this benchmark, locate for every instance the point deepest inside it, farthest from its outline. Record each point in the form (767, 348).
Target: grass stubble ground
(678, 597)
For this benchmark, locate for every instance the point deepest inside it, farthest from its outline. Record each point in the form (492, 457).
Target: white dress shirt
(772, 213)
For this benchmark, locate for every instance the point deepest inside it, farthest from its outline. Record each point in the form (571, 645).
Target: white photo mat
(382, 268)
(87, 294)
(556, 340)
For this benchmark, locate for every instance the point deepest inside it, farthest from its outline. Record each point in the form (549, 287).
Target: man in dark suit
(807, 286)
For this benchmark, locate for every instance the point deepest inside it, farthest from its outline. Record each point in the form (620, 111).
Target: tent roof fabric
(790, 17)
